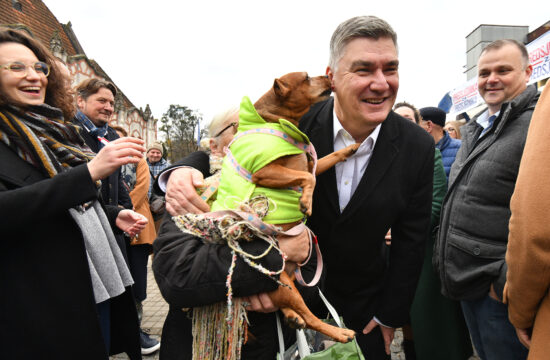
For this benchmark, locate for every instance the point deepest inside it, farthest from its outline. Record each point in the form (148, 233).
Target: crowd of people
(434, 226)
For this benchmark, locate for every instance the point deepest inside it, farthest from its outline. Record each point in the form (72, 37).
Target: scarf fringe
(219, 331)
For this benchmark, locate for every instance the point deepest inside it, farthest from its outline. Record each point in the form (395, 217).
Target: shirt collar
(348, 139)
(483, 119)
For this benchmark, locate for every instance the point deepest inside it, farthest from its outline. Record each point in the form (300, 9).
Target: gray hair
(220, 119)
(497, 44)
(358, 27)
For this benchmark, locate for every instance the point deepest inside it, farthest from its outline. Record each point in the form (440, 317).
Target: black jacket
(191, 273)
(112, 189)
(47, 304)
(395, 192)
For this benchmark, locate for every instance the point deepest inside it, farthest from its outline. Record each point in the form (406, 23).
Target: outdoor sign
(539, 57)
(466, 96)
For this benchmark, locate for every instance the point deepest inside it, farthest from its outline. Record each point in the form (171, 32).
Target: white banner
(466, 96)
(539, 57)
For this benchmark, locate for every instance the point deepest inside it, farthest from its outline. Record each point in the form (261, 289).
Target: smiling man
(473, 232)
(386, 184)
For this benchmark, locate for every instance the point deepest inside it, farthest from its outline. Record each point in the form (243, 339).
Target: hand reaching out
(119, 152)
(181, 194)
(131, 222)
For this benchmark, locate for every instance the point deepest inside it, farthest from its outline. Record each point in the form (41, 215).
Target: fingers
(115, 154)
(296, 248)
(128, 140)
(260, 303)
(387, 334)
(181, 195)
(524, 337)
(371, 325)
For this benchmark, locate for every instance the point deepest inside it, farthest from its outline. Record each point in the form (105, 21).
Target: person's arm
(198, 160)
(47, 198)
(191, 273)
(528, 252)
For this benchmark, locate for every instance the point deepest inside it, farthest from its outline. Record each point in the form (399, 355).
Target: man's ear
(280, 88)
(80, 102)
(330, 77)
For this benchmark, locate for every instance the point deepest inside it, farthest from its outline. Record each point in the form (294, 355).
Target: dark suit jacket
(395, 192)
(47, 303)
(112, 189)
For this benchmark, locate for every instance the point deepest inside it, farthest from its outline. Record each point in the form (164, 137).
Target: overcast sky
(208, 54)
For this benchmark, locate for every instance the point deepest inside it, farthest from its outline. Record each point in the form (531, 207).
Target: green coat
(438, 325)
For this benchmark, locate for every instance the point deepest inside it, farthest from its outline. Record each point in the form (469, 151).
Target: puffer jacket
(448, 147)
(473, 235)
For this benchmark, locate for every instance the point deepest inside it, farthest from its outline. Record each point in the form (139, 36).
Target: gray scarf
(109, 272)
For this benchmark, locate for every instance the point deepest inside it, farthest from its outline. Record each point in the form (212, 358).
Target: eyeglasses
(20, 70)
(233, 124)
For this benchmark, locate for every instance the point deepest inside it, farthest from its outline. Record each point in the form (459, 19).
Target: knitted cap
(157, 146)
(435, 115)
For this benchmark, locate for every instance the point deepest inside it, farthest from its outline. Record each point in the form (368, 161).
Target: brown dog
(290, 98)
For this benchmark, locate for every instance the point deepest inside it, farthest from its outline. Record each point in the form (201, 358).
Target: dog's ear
(281, 89)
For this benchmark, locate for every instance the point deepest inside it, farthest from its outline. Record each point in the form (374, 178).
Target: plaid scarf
(40, 136)
(89, 126)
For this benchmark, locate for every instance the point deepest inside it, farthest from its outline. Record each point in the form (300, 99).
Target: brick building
(34, 17)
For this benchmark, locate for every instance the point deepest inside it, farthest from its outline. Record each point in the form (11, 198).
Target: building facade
(34, 17)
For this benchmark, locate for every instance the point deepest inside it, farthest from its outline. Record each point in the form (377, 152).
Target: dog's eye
(307, 77)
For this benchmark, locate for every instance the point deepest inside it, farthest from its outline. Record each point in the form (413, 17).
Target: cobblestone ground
(155, 310)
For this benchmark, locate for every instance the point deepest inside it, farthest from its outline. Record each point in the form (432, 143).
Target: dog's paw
(344, 335)
(293, 320)
(305, 209)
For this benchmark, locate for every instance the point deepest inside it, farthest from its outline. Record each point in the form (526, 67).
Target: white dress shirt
(350, 172)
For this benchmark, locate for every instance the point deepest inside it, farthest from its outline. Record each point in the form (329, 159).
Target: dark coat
(112, 189)
(438, 325)
(191, 273)
(47, 304)
(473, 230)
(395, 192)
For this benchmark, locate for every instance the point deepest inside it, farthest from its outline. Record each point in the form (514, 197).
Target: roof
(39, 21)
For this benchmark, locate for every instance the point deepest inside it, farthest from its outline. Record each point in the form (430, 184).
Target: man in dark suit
(386, 184)
(95, 101)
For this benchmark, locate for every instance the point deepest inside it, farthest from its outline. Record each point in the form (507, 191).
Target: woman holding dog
(65, 284)
(187, 261)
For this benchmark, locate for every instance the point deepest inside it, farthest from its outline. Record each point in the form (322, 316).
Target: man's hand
(524, 336)
(181, 194)
(119, 152)
(296, 248)
(387, 333)
(131, 222)
(261, 303)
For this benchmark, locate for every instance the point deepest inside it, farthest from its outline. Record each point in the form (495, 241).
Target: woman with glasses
(65, 285)
(453, 128)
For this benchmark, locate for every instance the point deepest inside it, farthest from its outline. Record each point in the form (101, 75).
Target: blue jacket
(448, 147)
